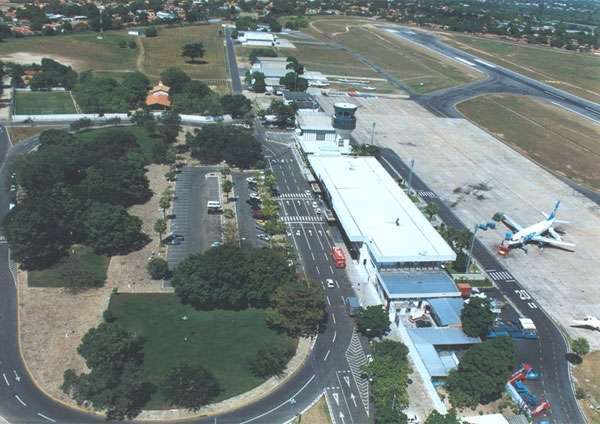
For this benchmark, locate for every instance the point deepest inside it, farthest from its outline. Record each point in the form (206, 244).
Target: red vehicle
(337, 254)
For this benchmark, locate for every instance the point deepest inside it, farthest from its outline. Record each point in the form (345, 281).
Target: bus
(337, 254)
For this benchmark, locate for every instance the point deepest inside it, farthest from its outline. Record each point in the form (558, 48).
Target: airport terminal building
(392, 241)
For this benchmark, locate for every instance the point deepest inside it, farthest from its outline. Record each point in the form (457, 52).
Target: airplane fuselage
(533, 230)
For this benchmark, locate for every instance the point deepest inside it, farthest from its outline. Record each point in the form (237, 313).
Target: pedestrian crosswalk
(425, 193)
(301, 218)
(294, 195)
(500, 275)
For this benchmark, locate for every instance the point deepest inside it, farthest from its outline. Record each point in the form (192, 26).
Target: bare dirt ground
(53, 321)
(25, 58)
(318, 414)
(587, 377)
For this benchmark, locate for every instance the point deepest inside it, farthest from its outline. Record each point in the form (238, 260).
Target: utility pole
(373, 133)
(410, 174)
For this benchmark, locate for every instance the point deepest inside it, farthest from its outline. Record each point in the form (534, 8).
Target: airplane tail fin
(553, 213)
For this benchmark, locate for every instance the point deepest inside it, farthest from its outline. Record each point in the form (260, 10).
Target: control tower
(344, 120)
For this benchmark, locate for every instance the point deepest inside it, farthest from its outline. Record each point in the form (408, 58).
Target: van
(213, 206)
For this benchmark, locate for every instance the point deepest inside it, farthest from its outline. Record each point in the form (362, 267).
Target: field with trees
(164, 51)
(553, 137)
(177, 334)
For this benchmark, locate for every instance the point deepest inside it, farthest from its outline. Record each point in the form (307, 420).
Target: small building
(437, 346)
(315, 134)
(274, 68)
(446, 311)
(158, 97)
(302, 100)
(256, 38)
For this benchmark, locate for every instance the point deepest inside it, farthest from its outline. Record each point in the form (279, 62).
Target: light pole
(410, 174)
(373, 133)
(488, 225)
(292, 403)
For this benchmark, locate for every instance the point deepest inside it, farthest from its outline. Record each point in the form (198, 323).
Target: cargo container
(337, 254)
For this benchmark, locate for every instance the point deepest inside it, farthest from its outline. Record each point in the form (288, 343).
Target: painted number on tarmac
(523, 294)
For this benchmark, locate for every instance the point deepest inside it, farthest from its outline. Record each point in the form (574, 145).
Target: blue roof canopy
(447, 310)
(410, 285)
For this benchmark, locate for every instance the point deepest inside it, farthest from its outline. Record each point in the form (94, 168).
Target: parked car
(315, 205)
(261, 222)
(263, 237)
(216, 244)
(254, 196)
(257, 214)
(307, 192)
(251, 180)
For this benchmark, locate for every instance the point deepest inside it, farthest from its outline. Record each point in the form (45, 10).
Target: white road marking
(5, 379)
(20, 400)
(330, 268)
(317, 269)
(334, 336)
(333, 318)
(328, 301)
(46, 417)
(327, 355)
(281, 404)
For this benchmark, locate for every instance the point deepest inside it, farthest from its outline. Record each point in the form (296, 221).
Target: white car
(318, 211)
(307, 192)
(330, 284)
(251, 180)
(254, 196)
(315, 205)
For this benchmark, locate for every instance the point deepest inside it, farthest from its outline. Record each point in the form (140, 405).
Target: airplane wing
(510, 223)
(554, 234)
(552, 242)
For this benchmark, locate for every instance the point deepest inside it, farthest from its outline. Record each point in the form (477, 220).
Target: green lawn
(221, 341)
(83, 51)
(144, 139)
(81, 260)
(43, 102)
(578, 73)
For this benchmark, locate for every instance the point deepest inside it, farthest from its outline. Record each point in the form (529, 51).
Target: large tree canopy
(482, 373)
(189, 387)
(235, 145)
(373, 321)
(230, 277)
(477, 317)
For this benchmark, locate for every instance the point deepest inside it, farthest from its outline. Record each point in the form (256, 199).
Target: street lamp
(488, 225)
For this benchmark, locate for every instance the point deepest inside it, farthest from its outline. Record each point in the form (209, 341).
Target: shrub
(158, 268)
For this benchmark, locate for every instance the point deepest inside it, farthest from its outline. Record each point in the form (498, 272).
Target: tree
(389, 371)
(111, 230)
(285, 113)
(388, 415)
(217, 143)
(158, 268)
(258, 82)
(189, 387)
(477, 317)
(169, 125)
(165, 203)
(373, 321)
(160, 226)
(132, 44)
(176, 79)
(580, 346)
(482, 373)
(293, 82)
(227, 186)
(151, 31)
(272, 360)
(236, 105)
(298, 308)
(256, 53)
(436, 418)
(193, 50)
(431, 210)
(115, 381)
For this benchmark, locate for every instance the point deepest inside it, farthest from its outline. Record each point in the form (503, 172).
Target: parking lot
(194, 188)
(247, 227)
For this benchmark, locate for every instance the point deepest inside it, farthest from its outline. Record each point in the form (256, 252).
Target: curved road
(324, 371)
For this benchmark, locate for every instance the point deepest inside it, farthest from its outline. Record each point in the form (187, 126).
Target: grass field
(145, 140)
(221, 341)
(557, 139)
(420, 69)
(18, 134)
(578, 73)
(82, 51)
(165, 51)
(80, 259)
(42, 102)
(587, 375)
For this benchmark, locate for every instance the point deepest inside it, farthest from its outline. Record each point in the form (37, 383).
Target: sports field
(82, 51)
(221, 341)
(43, 102)
(578, 73)
(420, 69)
(165, 51)
(555, 138)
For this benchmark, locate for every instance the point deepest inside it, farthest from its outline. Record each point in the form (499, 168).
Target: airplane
(590, 322)
(541, 233)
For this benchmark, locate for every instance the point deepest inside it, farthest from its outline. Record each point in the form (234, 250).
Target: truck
(337, 254)
(352, 306)
(329, 217)
(315, 188)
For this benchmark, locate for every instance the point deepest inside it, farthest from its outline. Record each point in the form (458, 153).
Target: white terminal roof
(374, 210)
(309, 120)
